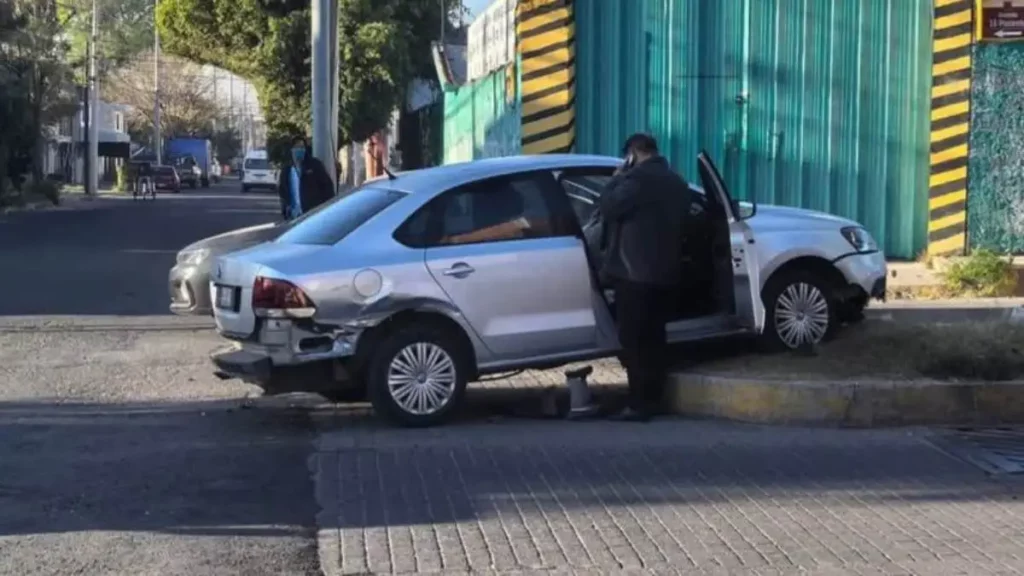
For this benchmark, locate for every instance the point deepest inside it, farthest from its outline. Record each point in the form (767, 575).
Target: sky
(475, 6)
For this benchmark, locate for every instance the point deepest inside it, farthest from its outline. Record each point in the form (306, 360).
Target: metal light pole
(157, 142)
(92, 153)
(324, 24)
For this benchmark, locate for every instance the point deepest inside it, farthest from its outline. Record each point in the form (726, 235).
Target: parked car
(189, 172)
(166, 178)
(258, 173)
(414, 285)
(189, 279)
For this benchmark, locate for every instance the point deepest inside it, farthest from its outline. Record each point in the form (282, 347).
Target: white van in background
(257, 173)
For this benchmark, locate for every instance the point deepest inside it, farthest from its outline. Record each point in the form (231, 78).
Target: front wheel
(800, 310)
(417, 376)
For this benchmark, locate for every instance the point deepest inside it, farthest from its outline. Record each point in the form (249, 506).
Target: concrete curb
(950, 312)
(855, 404)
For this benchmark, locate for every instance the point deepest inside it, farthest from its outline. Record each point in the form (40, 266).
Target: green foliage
(982, 274)
(226, 145)
(383, 45)
(121, 184)
(126, 28)
(35, 84)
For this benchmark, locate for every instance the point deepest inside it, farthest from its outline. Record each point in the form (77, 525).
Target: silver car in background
(414, 285)
(189, 280)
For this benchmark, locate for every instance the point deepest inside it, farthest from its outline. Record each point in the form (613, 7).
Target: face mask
(298, 154)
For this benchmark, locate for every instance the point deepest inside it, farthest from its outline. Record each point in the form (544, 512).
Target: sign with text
(1000, 20)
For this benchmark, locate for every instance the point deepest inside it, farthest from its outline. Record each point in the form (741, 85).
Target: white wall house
(66, 144)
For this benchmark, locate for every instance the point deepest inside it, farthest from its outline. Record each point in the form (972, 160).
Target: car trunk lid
(232, 278)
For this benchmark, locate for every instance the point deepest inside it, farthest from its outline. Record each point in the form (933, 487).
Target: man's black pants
(642, 311)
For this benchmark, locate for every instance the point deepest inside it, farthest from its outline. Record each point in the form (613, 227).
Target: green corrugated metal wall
(481, 120)
(823, 105)
(995, 202)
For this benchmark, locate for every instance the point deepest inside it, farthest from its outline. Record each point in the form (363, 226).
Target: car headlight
(859, 239)
(192, 257)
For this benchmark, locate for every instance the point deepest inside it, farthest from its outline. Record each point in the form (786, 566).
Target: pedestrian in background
(641, 208)
(304, 184)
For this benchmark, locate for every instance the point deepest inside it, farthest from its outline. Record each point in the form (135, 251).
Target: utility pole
(325, 55)
(92, 153)
(157, 138)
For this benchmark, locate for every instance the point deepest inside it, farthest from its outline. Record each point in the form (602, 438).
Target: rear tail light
(275, 298)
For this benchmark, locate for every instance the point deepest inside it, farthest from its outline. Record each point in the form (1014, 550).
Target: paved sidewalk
(670, 497)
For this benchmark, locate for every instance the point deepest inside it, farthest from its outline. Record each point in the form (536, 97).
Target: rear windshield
(330, 222)
(164, 170)
(256, 164)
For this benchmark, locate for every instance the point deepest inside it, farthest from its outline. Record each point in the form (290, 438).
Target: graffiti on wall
(995, 210)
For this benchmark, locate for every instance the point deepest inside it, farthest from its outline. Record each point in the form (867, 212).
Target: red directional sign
(1000, 20)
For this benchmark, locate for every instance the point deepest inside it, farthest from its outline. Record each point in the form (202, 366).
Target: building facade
(864, 109)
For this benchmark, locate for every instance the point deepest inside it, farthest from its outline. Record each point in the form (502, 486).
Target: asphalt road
(119, 452)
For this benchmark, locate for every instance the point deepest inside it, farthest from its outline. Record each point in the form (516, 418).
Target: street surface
(120, 454)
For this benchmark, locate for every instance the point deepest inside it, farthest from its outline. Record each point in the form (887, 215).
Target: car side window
(583, 192)
(500, 209)
(497, 210)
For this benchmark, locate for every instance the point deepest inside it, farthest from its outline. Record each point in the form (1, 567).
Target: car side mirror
(740, 213)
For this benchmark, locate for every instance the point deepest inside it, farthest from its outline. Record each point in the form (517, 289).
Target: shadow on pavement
(240, 467)
(203, 468)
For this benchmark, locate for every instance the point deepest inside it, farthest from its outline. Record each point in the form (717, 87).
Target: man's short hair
(301, 139)
(644, 143)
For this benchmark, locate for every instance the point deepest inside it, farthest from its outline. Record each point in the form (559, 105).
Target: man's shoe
(631, 415)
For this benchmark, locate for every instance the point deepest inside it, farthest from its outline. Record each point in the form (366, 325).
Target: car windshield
(330, 222)
(257, 164)
(164, 170)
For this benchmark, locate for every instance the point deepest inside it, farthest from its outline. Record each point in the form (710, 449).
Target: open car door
(749, 309)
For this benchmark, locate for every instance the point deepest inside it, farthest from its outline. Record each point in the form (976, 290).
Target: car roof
(256, 155)
(439, 178)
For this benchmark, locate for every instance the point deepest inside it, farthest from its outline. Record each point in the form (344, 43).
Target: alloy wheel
(421, 378)
(801, 315)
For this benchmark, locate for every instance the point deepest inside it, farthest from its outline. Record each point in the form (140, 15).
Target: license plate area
(226, 297)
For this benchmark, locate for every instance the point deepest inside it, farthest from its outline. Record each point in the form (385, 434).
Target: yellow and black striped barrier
(950, 127)
(546, 40)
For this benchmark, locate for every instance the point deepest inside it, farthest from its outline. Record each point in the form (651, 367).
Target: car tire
(245, 189)
(205, 182)
(809, 299)
(193, 184)
(416, 345)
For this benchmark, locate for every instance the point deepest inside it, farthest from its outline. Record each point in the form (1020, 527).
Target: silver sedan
(416, 284)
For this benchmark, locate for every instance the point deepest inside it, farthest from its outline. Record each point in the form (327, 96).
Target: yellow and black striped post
(546, 44)
(950, 127)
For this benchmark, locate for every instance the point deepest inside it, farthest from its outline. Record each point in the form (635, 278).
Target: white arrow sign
(1008, 33)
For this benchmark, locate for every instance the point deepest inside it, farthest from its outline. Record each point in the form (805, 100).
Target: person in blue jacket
(304, 184)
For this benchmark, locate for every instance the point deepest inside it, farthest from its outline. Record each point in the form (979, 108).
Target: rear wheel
(800, 310)
(245, 189)
(417, 376)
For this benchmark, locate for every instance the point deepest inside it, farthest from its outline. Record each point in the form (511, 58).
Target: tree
(37, 82)
(187, 100)
(125, 29)
(383, 45)
(226, 144)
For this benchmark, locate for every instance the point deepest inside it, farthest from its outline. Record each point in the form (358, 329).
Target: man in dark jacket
(304, 184)
(643, 208)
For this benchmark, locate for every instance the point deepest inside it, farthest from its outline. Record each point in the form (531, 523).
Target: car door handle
(459, 270)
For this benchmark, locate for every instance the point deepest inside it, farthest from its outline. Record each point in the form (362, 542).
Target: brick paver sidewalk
(669, 497)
